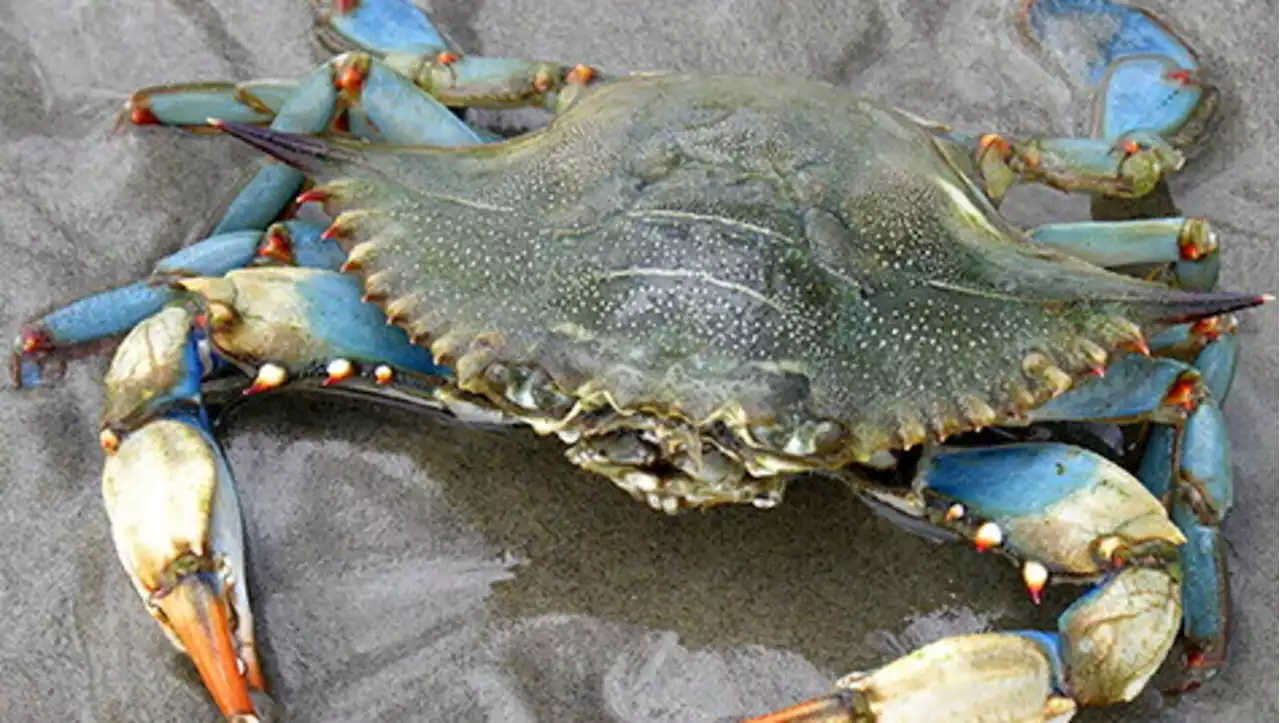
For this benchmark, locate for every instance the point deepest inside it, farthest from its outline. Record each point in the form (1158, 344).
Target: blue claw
(176, 525)
(380, 26)
(1071, 511)
(1143, 74)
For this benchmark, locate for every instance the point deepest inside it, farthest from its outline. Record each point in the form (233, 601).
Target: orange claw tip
(342, 7)
(448, 57)
(988, 536)
(315, 195)
(202, 620)
(141, 115)
(834, 708)
(32, 340)
(351, 75)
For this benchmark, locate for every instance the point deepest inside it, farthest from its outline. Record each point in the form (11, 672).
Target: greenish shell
(802, 267)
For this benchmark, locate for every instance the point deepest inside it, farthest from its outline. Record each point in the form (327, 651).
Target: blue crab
(706, 286)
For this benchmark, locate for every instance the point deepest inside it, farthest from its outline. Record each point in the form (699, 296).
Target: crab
(707, 286)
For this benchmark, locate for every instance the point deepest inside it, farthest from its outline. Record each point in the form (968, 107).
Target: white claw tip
(338, 370)
(955, 512)
(383, 374)
(269, 376)
(987, 536)
(1036, 576)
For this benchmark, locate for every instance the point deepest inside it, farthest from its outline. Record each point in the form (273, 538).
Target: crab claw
(175, 522)
(990, 676)
(199, 615)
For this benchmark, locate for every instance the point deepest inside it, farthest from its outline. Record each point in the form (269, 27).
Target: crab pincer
(173, 510)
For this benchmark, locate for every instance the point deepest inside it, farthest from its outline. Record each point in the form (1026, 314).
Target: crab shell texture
(778, 268)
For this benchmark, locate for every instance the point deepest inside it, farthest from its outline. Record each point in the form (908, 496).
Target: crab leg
(169, 492)
(1128, 167)
(1184, 242)
(376, 26)
(79, 328)
(1189, 468)
(1143, 75)
(1186, 469)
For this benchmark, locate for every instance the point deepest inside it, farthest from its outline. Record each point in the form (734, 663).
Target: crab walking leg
(1128, 167)
(1188, 466)
(1143, 75)
(1122, 243)
(74, 329)
(261, 201)
(1107, 646)
(190, 105)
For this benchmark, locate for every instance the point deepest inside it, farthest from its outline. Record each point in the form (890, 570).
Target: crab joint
(338, 370)
(32, 340)
(1035, 576)
(276, 245)
(351, 73)
(988, 536)
(1196, 240)
(269, 377)
(580, 75)
(1185, 393)
(109, 441)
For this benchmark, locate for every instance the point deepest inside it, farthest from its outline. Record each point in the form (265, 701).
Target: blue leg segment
(309, 110)
(400, 112)
(190, 105)
(377, 26)
(1188, 466)
(1142, 75)
(1189, 245)
(45, 344)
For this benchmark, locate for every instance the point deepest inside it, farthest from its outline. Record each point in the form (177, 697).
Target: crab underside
(706, 286)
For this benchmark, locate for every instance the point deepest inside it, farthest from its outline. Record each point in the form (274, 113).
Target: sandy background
(410, 570)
